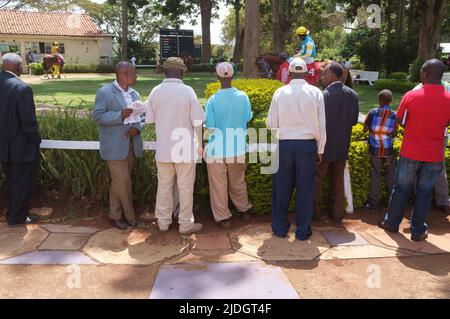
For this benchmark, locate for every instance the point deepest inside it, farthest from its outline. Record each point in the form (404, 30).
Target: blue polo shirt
(227, 113)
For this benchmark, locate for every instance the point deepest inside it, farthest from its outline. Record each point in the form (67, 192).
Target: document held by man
(138, 108)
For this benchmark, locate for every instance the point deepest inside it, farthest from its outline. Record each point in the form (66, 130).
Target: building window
(46, 47)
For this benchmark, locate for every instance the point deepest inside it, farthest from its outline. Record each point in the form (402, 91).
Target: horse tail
(349, 80)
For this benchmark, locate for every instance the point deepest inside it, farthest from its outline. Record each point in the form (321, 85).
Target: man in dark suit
(19, 141)
(341, 113)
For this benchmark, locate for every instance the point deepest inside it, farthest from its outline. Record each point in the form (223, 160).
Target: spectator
(283, 71)
(227, 114)
(382, 126)
(19, 141)
(29, 58)
(301, 131)
(342, 111)
(425, 114)
(174, 109)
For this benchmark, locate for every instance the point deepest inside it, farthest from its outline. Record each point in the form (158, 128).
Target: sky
(216, 25)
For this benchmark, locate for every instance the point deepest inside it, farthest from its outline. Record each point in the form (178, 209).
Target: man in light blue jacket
(120, 143)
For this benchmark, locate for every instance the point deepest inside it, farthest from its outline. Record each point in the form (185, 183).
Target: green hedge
(402, 76)
(395, 85)
(36, 68)
(84, 68)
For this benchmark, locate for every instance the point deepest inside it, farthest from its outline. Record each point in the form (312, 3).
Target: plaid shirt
(382, 124)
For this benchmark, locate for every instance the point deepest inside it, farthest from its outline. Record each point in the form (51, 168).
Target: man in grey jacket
(120, 143)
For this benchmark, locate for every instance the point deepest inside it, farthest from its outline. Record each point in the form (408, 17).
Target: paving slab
(139, 247)
(61, 241)
(259, 241)
(221, 256)
(435, 244)
(60, 281)
(344, 238)
(222, 281)
(53, 228)
(16, 241)
(211, 242)
(356, 252)
(50, 258)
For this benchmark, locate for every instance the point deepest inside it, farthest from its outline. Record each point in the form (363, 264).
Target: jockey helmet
(302, 31)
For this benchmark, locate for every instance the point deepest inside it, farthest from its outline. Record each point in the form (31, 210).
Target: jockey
(283, 72)
(307, 52)
(60, 60)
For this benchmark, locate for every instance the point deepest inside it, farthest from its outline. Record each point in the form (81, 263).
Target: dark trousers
(337, 190)
(408, 173)
(377, 165)
(20, 184)
(297, 169)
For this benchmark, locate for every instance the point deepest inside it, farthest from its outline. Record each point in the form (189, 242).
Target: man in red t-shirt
(425, 114)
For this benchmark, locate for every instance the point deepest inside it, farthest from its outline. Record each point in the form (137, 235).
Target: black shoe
(133, 223)
(118, 224)
(280, 236)
(31, 219)
(246, 216)
(226, 223)
(383, 224)
(420, 238)
(371, 208)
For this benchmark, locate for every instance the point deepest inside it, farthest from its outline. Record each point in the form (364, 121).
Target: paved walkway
(353, 260)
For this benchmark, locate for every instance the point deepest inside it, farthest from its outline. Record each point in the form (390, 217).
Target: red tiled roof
(47, 24)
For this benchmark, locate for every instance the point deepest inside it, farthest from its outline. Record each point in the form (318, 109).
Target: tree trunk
(124, 40)
(251, 42)
(283, 18)
(277, 10)
(432, 15)
(239, 46)
(206, 11)
(400, 15)
(412, 19)
(237, 54)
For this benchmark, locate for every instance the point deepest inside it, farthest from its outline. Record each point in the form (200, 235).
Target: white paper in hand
(138, 109)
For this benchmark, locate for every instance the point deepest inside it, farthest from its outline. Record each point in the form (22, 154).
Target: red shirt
(283, 73)
(427, 117)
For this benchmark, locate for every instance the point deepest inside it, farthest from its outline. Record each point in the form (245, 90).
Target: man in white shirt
(297, 112)
(178, 117)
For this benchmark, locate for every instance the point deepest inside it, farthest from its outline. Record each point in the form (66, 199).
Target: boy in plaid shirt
(382, 126)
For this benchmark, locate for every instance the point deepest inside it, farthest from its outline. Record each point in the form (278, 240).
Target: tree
(432, 16)
(124, 35)
(251, 43)
(284, 14)
(206, 7)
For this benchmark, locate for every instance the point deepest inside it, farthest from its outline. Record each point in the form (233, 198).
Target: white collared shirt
(11, 73)
(126, 94)
(297, 112)
(176, 112)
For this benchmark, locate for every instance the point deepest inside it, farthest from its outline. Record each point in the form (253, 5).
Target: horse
(188, 61)
(346, 76)
(268, 65)
(48, 61)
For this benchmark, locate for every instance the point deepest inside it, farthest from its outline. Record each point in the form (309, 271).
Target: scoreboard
(174, 42)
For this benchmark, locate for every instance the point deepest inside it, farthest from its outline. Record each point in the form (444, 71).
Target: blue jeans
(407, 174)
(297, 170)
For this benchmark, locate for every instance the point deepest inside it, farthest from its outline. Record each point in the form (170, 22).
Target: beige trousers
(227, 179)
(184, 175)
(121, 194)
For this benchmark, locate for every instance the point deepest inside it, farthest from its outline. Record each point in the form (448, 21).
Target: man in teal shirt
(227, 114)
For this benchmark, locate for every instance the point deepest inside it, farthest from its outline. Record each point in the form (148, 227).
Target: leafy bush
(36, 68)
(414, 70)
(202, 67)
(394, 85)
(401, 76)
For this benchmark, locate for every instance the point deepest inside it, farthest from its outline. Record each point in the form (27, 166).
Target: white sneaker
(193, 229)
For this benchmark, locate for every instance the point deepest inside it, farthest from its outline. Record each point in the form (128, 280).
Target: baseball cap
(298, 65)
(174, 63)
(225, 70)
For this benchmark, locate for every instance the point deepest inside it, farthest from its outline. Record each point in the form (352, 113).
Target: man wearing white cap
(227, 114)
(297, 112)
(174, 109)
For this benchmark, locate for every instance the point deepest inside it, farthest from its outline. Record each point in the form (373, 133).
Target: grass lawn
(78, 91)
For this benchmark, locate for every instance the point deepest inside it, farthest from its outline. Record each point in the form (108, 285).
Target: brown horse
(188, 61)
(346, 77)
(268, 65)
(48, 62)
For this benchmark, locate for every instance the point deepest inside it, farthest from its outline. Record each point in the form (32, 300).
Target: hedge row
(395, 85)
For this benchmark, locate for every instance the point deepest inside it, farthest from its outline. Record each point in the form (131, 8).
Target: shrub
(401, 76)
(36, 68)
(414, 70)
(395, 85)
